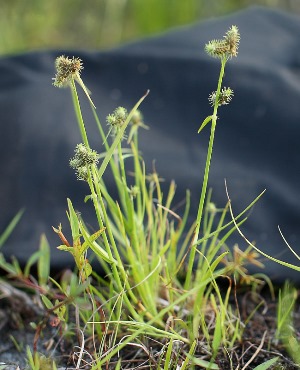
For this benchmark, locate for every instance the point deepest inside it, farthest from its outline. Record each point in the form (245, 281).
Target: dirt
(18, 309)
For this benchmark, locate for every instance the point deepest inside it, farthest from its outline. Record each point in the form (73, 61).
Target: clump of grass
(158, 298)
(160, 284)
(37, 361)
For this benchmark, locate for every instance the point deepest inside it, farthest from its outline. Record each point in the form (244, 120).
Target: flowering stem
(205, 179)
(98, 200)
(93, 182)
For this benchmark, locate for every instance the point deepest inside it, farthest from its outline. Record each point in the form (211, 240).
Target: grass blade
(266, 365)
(13, 223)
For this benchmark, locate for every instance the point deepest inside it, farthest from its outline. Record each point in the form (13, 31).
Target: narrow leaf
(46, 302)
(204, 123)
(31, 261)
(217, 338)
(100, 252)
(65, 248)
(203, 363)
(43, 264)
(266, 365)
(92, 238)
(4, 236)
(73, 218)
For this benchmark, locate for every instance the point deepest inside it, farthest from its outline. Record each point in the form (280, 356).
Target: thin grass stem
(205, 179)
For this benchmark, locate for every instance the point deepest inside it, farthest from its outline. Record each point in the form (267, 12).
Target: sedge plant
(160, 274)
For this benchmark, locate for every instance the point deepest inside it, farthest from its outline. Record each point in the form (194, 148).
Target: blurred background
(27, 25)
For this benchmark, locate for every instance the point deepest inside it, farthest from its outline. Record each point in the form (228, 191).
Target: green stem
(97, 197)
(136, 176)
(205, 179)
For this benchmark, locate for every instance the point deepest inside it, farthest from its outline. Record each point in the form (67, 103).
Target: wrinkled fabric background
(257, 137)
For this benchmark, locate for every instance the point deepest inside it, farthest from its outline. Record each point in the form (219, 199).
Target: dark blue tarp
(257, 137)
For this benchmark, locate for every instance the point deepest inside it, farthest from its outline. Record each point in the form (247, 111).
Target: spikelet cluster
(66, 70)
(224, 97)
(226, 47)
(84, 158)
(117, 119)
(232, 38)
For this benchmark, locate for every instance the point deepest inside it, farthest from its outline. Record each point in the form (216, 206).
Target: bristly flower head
(226, 47)
(84, 157)
(117, 119)
(66, 69)
(224, 97)
(232, 38)
(216, 48)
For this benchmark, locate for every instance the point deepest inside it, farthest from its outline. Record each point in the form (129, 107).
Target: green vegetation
(158, 301)
(159, 285)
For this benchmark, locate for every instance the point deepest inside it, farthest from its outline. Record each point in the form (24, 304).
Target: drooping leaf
(204, 123)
